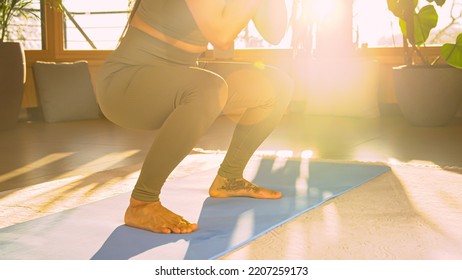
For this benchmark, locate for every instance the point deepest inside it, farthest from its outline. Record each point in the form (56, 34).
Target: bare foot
(224, 187)
(154, 217)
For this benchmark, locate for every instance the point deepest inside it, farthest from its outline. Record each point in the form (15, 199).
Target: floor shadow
(126, 242)
(256, 216)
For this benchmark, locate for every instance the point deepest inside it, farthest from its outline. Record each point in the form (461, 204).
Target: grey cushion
(65, 91)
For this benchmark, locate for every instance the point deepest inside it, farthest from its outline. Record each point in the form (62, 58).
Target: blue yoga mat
(96, 231)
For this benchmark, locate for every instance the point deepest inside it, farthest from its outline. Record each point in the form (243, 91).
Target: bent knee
(210, 94)
(217, 92)
(284, 85)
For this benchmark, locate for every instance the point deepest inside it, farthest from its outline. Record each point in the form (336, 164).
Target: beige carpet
(412, 212)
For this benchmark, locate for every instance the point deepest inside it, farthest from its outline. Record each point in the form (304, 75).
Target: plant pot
(12, 80)
(428, 95)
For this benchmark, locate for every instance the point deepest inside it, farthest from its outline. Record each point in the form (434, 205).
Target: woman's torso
(161, 29)
(171, 18)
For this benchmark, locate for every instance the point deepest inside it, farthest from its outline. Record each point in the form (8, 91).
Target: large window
(94, 24)
(98, 24)
(375, 26)
(27, 28)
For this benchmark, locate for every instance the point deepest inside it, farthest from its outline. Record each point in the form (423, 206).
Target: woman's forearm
(271, 20)
(220, 21)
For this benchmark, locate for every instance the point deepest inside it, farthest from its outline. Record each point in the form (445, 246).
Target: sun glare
(49, 159)
(322, 9)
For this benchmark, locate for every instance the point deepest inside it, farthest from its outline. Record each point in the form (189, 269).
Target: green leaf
(437, 2)
(424, 22)
(399, 7)
(452, 53)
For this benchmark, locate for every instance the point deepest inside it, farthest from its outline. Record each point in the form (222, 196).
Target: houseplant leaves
(452, 52)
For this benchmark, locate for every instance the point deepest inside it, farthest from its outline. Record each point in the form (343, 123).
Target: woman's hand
(220, 21)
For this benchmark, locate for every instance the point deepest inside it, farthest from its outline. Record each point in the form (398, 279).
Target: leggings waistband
(138, 47)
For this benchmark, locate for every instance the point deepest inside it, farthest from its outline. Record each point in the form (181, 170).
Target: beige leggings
(183, 101)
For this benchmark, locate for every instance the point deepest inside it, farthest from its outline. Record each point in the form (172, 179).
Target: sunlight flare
(245, 221)
(46, 160)
(104, 162)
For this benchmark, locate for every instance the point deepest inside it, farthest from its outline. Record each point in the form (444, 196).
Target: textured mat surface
(96, 230)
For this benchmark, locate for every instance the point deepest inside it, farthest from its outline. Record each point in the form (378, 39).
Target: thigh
(144, 96)
(250, 84)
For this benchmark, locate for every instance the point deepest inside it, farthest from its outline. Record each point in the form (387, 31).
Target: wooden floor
(38, 152)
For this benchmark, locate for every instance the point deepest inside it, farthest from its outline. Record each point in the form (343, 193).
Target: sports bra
(173, 18)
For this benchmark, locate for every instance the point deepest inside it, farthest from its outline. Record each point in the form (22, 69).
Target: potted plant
(429, 93)
(12, 58)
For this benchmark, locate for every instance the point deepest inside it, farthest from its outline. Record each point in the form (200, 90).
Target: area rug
(96, 230)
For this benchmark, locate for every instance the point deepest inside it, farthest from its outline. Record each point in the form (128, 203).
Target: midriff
(138, 23)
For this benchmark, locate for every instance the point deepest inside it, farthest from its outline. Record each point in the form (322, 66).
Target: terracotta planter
(428, 96)
(12, 80)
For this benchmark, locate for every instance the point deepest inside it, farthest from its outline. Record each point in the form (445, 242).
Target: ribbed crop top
(173, 18)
